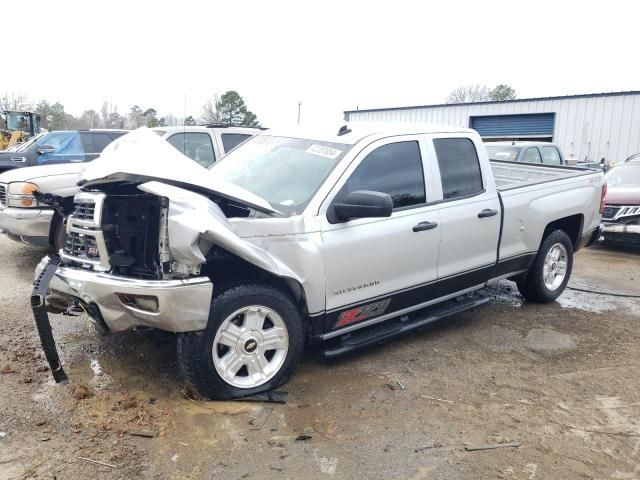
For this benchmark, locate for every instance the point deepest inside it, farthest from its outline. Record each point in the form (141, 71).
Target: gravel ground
(560, 379)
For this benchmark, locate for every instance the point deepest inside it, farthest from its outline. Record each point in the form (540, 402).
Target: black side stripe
(411, 296)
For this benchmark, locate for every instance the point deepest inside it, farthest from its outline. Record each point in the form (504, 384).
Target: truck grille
(620, 212)
(84, 211)
(3, 195)
(81, 246)
(85, 243)
(610, 212)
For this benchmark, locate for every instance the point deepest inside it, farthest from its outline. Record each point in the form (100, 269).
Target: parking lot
(561, 380)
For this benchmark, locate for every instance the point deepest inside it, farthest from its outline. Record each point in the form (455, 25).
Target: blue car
(63, 146)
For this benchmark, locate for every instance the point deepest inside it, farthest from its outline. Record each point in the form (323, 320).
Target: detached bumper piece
(41, 285)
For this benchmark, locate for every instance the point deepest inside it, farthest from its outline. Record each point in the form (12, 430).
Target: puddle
(586, 302)
(504, 293)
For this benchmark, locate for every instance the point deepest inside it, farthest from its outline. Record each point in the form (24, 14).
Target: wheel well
(571, 225)
(224, 267)
(55, 221)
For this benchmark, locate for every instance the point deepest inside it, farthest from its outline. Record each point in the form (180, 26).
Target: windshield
(286, 172)
(503, 153)
(624, 176)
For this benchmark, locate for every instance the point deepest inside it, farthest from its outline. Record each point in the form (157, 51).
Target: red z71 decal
(362, 313)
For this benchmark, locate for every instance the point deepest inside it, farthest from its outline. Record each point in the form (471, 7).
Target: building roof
(517, 100)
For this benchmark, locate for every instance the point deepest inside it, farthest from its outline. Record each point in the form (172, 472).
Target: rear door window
(551, 156)
(100, 141)
(531, 155)
(459, 167)
(395, 169)
(232, 140)
(87, 141)
(195, 145)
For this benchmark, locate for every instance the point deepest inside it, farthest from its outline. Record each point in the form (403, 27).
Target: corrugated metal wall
(587, 128)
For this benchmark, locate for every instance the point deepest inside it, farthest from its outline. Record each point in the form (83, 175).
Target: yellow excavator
(16, 127)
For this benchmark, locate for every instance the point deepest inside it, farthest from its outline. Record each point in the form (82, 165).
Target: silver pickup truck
(345, 237)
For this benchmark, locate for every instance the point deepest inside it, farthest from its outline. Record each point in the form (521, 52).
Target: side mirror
(364, 204)
(42, 149)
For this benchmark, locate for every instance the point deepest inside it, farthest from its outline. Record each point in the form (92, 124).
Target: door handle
(487, 212)
(425, 226)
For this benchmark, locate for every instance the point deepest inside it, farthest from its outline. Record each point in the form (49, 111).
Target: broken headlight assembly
(20, 194)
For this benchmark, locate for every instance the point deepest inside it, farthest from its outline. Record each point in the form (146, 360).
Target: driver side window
(395, 169)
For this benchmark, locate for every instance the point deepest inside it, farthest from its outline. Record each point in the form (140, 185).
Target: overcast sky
(331, 56)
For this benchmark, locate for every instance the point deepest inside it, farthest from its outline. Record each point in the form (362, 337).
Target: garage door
(529, 125)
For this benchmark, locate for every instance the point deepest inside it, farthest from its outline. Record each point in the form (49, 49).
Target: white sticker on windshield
(323, 151)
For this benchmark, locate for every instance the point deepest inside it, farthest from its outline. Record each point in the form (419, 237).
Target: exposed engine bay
(123, 230)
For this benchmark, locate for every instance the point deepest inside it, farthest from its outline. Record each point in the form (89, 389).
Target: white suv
(206, 144)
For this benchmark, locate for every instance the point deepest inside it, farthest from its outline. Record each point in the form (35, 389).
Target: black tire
(531, 285)
(58, 234)
(194, 349)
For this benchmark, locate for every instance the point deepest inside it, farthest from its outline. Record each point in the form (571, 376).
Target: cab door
(469, 214)
(376, 266)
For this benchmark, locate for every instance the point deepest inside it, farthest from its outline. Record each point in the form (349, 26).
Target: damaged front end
(135, 256)
(141, 243)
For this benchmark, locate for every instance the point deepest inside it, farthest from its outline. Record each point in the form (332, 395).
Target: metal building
(587, 128)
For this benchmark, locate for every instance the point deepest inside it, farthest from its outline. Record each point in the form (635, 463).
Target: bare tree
(105, 113)
(90, 119)
(469, 94)
(170, 120)
(13, 102)
(136, 117)
(210, 110)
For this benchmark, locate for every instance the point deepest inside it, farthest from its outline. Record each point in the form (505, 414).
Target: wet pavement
(561, 380)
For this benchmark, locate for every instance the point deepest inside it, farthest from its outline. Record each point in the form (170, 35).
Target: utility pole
(299, 104)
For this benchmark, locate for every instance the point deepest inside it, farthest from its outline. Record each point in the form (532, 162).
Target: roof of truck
(352, 132)
(204, 128)
(515, 143)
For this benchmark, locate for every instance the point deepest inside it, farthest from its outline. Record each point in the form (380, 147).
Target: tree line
(481, 93)
(229, 108)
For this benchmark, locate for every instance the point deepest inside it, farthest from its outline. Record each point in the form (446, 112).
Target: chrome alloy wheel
(555, 267)
(250, 346)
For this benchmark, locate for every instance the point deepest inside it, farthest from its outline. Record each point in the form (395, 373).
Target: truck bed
(509, 175)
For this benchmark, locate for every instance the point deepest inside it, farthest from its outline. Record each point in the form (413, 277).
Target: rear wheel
(253, 341)
(548, 276)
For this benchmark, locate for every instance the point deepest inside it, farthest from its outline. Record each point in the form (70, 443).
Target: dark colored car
(621, 215)
(64, 146)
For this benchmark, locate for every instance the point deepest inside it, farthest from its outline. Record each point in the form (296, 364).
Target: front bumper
(182, 305)
(30, 225)
(620, 234)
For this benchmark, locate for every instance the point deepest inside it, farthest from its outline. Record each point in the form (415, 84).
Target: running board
(393, 328)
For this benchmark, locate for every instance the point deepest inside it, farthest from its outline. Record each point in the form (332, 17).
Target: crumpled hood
(142, 156)
(27, 174)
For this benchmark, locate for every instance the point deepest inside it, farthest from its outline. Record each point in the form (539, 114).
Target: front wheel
(548, 276)
(253, 341)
